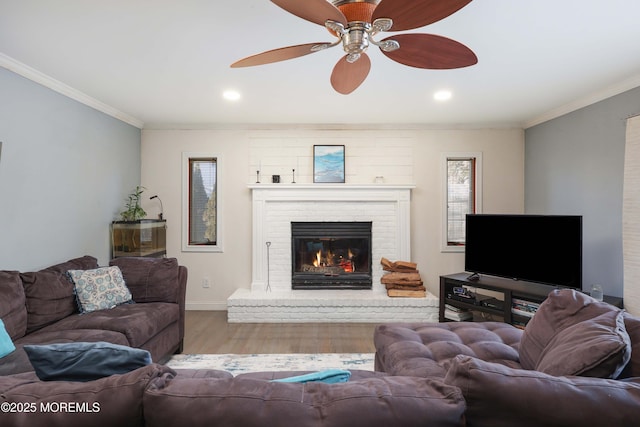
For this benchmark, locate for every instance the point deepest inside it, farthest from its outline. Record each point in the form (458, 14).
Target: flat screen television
(536, 248)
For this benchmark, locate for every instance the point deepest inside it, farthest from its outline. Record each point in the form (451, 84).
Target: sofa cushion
(499, 396)
(99, 289)
(562, 309)
(12, 304)
(425, 349)
(6, 345)
(86, 262)
(137, 322)
(150, 279)
(598, 347)
(49, 298)
(84, 361)
(110, 401)
(385, 401)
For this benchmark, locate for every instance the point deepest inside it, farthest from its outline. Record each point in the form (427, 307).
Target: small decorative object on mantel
(275, 179)
(403, 279)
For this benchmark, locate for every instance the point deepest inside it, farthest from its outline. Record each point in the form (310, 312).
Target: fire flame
(347, 265)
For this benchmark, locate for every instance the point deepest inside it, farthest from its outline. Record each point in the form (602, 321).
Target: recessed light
(231, 95)
(442, 95)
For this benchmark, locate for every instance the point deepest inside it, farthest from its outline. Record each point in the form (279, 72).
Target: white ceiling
(166, 62)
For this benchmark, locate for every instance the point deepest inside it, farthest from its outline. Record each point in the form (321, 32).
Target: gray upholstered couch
(577, 363)
(40, 308)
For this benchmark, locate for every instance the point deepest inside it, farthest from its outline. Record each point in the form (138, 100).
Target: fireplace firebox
(331, 255)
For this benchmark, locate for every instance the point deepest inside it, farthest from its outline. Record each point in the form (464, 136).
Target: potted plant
(135, 236)
(134, 211)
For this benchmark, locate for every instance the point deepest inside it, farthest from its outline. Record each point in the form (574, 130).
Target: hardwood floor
(209, 332)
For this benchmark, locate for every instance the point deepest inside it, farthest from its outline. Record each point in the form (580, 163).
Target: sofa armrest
(155, 280)
(497, 395)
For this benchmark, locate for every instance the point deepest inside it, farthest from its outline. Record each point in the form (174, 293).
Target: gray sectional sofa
(40, 308)
(576, 364)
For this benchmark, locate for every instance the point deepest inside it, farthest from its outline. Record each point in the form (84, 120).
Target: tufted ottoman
(427, 349)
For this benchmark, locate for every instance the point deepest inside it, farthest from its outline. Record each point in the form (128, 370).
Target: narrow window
(462, 194)
(201, 219)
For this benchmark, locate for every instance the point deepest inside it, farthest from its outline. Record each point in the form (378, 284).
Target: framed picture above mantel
(328, 164)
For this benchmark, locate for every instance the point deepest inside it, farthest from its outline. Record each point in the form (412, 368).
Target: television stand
(494, 298)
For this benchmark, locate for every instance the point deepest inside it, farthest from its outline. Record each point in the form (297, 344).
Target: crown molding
(585, 101)
(63, 89)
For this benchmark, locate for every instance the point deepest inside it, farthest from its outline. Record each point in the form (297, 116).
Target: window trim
(477, 155)
(186, 247)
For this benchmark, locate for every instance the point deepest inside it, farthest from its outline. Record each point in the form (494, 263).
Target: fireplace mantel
(275, 206)
(338, 187)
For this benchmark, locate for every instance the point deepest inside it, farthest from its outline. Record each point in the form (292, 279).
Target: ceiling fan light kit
(355, 23)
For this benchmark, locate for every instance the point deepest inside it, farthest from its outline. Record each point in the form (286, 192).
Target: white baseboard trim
(206, 306)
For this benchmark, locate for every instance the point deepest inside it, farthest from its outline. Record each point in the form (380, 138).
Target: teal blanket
(330, 376)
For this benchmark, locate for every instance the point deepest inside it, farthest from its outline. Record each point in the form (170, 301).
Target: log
(398, 265)
(405, 265)
(411, 285)
(406, 288)
(406, 294)
(400, 277)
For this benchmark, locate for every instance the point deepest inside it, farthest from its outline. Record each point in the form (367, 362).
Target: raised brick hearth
(270, 297)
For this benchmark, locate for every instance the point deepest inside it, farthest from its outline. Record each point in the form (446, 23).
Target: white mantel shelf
(333, 186)
(275, 206)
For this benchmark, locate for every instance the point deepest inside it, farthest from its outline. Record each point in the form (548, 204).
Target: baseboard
(206, 306)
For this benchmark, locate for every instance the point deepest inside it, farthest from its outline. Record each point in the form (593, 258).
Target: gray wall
(65, 170)
(575, 165)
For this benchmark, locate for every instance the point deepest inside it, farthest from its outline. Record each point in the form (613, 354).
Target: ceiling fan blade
(280, 54)
(346, 76)
(410, 14)
(316, 11)
(431, 51)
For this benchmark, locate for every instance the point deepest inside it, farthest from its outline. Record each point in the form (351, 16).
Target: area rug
(242, 363)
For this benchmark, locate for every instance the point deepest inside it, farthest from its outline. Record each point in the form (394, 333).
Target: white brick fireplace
(275, 206)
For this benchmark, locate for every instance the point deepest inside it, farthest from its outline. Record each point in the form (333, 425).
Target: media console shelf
(495, 297)
(497, 302)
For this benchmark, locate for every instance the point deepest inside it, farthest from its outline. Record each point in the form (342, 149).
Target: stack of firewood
(403, 279)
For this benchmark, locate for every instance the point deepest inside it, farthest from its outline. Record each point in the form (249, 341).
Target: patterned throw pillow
(99, 289)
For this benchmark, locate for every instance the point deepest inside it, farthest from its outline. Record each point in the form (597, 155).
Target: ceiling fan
(355, 23)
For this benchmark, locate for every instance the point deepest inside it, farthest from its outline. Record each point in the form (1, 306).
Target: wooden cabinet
(142, 238)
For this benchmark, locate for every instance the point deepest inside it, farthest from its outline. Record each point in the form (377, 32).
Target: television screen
(537, 248)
